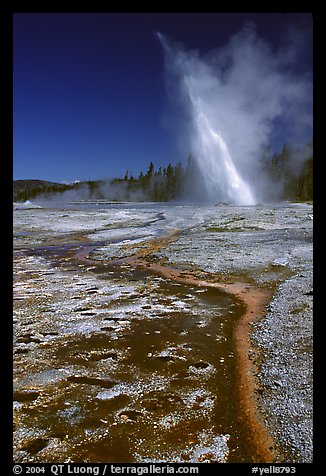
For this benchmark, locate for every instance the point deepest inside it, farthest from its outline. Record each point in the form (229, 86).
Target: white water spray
(228, 105)
(221, 178)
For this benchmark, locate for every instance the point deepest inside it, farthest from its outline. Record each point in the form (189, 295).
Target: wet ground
(113, 363)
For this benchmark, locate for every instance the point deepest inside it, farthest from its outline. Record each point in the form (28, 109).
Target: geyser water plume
(230, 104)
(221, 178)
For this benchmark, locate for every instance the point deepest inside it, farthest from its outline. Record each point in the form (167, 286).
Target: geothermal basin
(162, 333)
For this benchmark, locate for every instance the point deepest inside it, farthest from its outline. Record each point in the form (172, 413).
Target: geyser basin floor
(114, 365)
(121, 379)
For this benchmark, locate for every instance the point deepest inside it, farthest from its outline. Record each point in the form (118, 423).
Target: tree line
(290, 173)
(161, 185)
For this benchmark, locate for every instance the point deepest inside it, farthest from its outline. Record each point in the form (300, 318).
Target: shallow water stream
(113, 363)
(153, 381)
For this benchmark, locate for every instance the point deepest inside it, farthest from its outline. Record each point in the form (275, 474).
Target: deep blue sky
(89, 94)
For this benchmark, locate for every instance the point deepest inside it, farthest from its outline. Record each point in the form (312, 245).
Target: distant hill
(27, 189)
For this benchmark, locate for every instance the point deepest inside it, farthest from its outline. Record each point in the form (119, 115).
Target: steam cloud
(245, 92)
(105, 190)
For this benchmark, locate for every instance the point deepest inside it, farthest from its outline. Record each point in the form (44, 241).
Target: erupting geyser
(229, 105)
(221, 178)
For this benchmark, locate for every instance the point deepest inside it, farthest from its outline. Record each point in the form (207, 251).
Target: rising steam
(230, 105)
